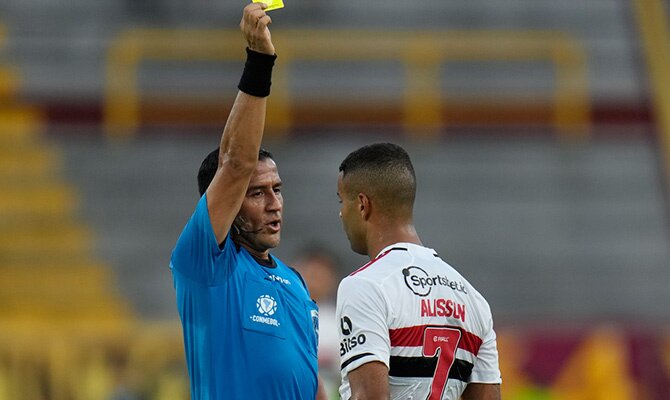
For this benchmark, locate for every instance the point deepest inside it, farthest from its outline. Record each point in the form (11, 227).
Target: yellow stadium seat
(55, 240)
(9, 82)
(27, 163)
(41, 201)
(19, 122)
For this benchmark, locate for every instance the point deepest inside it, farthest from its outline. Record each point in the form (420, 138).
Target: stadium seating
(52, 288)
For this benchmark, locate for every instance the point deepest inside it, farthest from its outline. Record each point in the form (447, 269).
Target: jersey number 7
(441, 342)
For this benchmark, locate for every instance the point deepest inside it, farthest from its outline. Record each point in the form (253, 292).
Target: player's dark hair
(384, 171)
(211, 163)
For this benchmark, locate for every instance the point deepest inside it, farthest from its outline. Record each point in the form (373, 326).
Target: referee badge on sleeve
(312, 331)
(315, 322)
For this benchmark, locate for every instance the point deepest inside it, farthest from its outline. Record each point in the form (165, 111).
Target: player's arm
(365, 344)
(485, 377)
(370, 381)
(242, 135)
(481, 391)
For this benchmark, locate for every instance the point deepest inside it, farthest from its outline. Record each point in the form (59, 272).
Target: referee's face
(260, 217)
(350, 216)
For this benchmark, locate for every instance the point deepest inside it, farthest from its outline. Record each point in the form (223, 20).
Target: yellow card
(272, 4)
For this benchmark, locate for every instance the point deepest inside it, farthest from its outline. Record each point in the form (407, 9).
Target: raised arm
(242, 135)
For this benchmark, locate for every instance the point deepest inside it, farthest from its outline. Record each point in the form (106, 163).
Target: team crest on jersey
(263, 308)
(266, 305)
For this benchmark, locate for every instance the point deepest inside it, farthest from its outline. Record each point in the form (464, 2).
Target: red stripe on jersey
(413, 337)
(370, 262)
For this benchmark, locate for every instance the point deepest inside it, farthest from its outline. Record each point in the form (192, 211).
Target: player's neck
(379, 239)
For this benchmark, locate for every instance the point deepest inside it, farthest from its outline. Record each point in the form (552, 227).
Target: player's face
(260, 217)
(351, 217)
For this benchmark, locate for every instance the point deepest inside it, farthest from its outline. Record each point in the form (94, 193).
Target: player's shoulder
(360, 285)
(389, 257)
(354, 281)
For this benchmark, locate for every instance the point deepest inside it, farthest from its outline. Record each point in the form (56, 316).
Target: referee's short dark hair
(383, 171)
(211, 163)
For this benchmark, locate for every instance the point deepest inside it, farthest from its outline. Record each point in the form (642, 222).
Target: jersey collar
(402, 246)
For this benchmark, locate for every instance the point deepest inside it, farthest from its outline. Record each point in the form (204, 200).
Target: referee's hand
(254, 26)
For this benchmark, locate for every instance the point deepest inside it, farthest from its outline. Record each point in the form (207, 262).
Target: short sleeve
(362, 315)
(196, 250)
(486, 369)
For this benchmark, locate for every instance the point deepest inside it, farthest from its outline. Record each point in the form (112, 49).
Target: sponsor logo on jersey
(266, 306)
(420, 283)
(345, 324)
(279, 279)
(442, 308)
(349, 343)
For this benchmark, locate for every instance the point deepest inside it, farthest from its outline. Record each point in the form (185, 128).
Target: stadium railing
(16, 120)
(652, 20)
(421, 53)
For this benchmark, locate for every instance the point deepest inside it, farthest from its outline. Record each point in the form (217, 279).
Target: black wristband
(257, 76)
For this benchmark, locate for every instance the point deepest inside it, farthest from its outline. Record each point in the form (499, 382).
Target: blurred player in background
(320, 269)
(410, 325)
(250, 327)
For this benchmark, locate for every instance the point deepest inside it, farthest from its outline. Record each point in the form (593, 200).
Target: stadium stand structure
(52, 286)
(64, 48)
(606, 29)
(557, 234)
(49, 270)
(632, 197)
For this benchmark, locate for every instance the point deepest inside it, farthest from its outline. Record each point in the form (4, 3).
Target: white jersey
(415, 313)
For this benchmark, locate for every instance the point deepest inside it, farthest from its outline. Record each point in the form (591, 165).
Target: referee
(250, 328)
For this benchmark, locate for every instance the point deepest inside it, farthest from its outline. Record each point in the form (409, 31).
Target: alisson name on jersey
(442, 308)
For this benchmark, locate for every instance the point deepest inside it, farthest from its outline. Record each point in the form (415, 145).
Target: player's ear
(364, 206)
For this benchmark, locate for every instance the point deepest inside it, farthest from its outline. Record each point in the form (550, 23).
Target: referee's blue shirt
(250, 331)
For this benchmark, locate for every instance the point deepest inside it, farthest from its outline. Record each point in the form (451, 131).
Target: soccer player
(250, 328)
(411, 327)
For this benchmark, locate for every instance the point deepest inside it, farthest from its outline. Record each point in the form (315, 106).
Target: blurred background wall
(539, 131)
